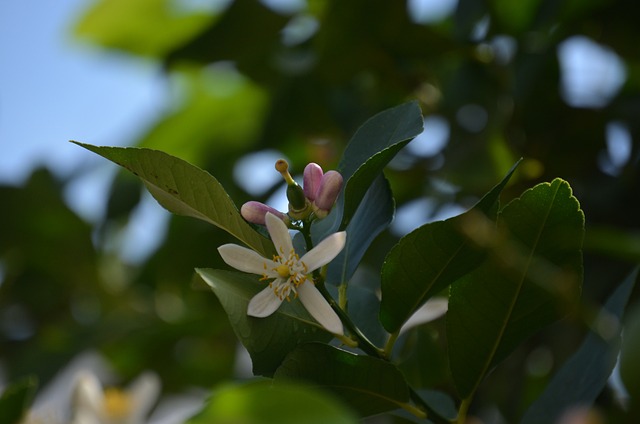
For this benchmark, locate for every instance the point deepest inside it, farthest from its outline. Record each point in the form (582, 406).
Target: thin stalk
(462, 411)
(432, 414)
(391, 341)
(363, 342)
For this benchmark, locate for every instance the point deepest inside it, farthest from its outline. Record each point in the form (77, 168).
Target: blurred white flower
(92, 404)
(77, 395)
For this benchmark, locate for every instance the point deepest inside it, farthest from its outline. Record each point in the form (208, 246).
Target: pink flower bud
(312, 178)
(255, 212)
(328, 191)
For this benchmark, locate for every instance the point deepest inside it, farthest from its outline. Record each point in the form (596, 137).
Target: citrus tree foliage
(527, 233)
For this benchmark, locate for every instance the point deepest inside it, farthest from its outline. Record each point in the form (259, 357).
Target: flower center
(117, 404)
(292, 272)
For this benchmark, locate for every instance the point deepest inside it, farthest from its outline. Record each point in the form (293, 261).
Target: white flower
(95, 405)
(290, 273)
(76, 395)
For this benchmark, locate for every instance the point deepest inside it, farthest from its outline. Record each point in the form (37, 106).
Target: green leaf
(531, 279)
(269, 339)
(227, 39)
(219, 111)
(185, 189)
(16, 399)
(262, 402)
(368, 384)
(515, 17)
(584, 375)
(371, 218)
(430, 258)
(375, 143)
(630, 352)
(134, 26)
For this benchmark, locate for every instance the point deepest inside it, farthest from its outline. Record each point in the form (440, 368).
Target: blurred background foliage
(250, 81)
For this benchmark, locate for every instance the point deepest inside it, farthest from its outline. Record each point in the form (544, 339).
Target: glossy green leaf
(531, 279)
(585, 374)
(371, 218)
(428, 259)
(630, 352)
(375, 143)
(134, 26)
(262, 402)
(185, 189)
(368, 384)
(268, 340)
(16, 399)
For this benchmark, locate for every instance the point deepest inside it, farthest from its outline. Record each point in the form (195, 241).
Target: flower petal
(319, 308)
(325, 251)
(279, 234)
(264, 303)
(247, 260)
(144, 392)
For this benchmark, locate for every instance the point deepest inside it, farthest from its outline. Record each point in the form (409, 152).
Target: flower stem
(391, 341)
(431, 413)
(462, 411)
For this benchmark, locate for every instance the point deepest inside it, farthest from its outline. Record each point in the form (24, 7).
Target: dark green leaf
(427, 260)
(261, 402)
(185, 189)
(368, 384)
(375, 143)
(584, 375)
(531, 279)
(270, 339)
(630, 352)
(227, 39)
(371, 218)
(16, 399)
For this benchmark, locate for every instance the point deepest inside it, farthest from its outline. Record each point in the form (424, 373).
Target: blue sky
(53, 89)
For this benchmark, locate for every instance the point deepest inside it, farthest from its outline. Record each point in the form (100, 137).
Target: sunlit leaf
(368, 384)
(268, 340)
(531, 279)
(584, 375)
(220, 110)
(134, 26)
(427, 260)
(262, 402)
(186, 190)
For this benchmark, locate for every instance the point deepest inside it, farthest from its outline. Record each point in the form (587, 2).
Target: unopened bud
(328, 191)
(312, 179)
(255, 212)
